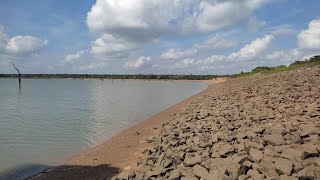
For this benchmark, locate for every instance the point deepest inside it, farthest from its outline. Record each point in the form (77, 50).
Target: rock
(255, 175)
(285, 177)
(295, 138)
(241, 136)
(256, 154)
(307, 129)
(283, 165)
(309, 149)
(317, 161)
(311, 172)
(200, 171)
(243, 177)
(155, 172)
(139, 175)
(234, 170)
(225, 149)
(247, 164)
(267, 168)
(214, 138)
(293, 154)
(258, 130)
(251, 128)
(239, 147)
(126, 175)
(189, 178)
(274, 139)
(192, 159)
(175, 175)
(216, 175)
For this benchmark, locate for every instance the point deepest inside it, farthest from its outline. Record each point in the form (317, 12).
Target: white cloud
(284, 56)
(252, 50)
(4, 62)
(137, 20)
(289, 56)
(217, 14)
(69, 59)
(254, 24)
(92, 66)
(109, 46)
(178, 54)
(145, 20)
(142, 61)
(127, 25)
(20, 44)
(310, 38)
(25, 44)
(283, 30)
(215, 42)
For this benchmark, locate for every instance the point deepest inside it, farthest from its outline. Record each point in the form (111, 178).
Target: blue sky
(156, 36)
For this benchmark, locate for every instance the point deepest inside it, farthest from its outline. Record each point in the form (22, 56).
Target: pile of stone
(261, 127)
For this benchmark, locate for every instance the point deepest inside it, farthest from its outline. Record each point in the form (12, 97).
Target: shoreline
(120, 152)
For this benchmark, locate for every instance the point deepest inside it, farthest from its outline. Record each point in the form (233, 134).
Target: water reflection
(51, 120)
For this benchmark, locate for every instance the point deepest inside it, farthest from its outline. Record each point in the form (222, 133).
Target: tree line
(115, 76)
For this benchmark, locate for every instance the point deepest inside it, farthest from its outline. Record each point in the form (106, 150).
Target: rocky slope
(260, 127)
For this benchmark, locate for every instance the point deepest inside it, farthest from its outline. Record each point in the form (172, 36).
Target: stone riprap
(258, 127)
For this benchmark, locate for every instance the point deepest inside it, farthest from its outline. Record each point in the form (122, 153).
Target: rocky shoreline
(259, 127)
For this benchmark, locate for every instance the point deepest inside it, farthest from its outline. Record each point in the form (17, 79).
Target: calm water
(51, 120)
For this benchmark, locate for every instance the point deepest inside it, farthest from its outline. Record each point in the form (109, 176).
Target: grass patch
(312, 62)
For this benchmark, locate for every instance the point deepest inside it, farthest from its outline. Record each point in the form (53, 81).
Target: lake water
(53, 119)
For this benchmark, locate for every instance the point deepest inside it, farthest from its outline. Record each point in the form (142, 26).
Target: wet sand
(119, 153)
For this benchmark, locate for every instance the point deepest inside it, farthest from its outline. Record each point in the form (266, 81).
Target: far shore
(209, 81)
(122, 151)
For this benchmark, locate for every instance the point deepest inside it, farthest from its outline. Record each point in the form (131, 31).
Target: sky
(156, 36)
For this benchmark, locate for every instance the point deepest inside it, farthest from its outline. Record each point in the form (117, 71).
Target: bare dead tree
(14, 66)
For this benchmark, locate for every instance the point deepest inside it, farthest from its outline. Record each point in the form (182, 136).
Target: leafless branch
(14, 66)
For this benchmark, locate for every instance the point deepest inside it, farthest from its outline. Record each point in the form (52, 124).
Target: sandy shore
(121, 152)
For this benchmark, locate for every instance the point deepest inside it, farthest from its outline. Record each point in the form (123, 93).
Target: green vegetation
(114, 76)
(313, 61)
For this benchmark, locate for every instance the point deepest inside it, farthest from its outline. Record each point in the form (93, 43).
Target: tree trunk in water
(19, 81)
(14, 66)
